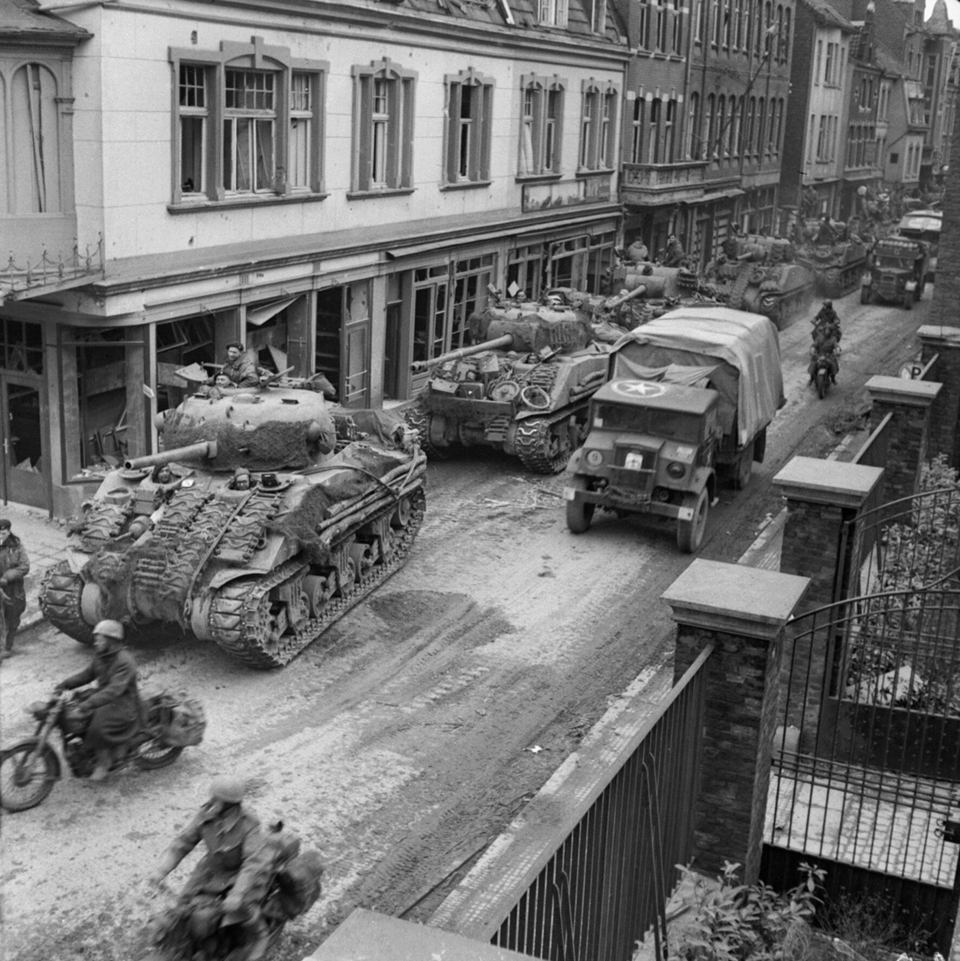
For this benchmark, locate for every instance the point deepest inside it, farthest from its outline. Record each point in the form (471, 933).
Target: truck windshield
(676, 425)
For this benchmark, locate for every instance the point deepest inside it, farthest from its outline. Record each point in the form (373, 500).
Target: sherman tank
(838, 267)
(760, 275)
(265, 518)
(523, 386)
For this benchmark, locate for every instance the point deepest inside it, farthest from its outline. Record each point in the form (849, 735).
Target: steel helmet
(112, 629)
(828, 303)
(229, 789)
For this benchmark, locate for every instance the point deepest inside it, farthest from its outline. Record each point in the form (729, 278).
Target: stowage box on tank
(523, 386)
(265, 518)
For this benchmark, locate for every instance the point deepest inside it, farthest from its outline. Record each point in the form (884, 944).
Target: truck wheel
(579, 513)
(690, 533)
(864, 295)
(908, 298)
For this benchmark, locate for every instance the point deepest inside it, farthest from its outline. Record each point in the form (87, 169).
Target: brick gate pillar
(741, 611)
(910, 402)
(944, 344)
(825, 500)
(822, 496)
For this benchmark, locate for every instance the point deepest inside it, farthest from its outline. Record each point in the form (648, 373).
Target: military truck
(898, 267)
(522, 387)
(924, 225)
(688, 397)
(265, 518)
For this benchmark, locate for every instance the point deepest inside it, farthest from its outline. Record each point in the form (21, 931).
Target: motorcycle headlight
(676, 470)
(594, 458)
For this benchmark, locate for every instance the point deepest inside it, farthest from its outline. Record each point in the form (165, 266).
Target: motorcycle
(31, 767)
(821, 378)
(196, 927)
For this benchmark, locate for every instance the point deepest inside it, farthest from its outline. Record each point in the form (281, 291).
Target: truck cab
(897, 272)
(651, 447)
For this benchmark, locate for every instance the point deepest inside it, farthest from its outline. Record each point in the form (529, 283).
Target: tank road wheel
(543, 447)
(420, 419)
(23, 783)
(402, 514)
(60, 596)
(579, 513)
(690, 533)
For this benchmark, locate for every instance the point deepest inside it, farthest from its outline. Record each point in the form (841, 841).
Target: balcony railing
(659, 176)
(49, 273)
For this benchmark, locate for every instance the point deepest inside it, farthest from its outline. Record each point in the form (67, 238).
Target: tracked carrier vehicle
(523, 387)
(837, 267)
(266, 517)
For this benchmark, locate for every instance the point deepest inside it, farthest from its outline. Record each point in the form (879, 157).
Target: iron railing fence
(906, 544)
(866, 768)
(608, 881)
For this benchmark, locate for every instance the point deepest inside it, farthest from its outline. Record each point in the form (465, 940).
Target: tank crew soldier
(229, 879)
(114, 706)
(674, 254)
(637, 252)
(238, 367)
(14, 567)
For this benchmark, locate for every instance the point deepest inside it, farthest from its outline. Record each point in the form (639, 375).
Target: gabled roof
(939, 20)
(825, 15)
(21, 20)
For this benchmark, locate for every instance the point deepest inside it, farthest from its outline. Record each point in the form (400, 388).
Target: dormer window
(553, 13)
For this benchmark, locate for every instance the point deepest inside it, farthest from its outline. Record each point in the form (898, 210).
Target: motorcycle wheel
(155, 754)
(22, 789)
(821, 384)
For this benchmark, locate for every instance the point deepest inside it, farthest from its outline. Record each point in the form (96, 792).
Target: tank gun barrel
(206, 448)
(418, 366)
(637, 291)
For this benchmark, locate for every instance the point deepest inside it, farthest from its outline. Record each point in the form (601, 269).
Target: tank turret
(522, 387)
(760, 274)
(267, 515)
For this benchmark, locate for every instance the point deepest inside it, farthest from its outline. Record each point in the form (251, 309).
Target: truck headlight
(594, 458)
(676, 470)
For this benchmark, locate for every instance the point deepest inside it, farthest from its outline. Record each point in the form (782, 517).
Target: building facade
(338, 189)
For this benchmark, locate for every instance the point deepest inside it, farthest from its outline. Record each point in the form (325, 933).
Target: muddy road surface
(412, 732)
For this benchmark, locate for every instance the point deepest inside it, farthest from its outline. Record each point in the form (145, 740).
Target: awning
(260, 315)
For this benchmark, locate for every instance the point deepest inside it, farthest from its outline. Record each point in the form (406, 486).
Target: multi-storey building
(939, 78)
(706, 108)
(814, 156)
(334, 184)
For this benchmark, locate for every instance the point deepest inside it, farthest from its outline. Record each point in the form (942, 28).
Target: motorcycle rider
(114, 709)
(230, 880)
(826, 341)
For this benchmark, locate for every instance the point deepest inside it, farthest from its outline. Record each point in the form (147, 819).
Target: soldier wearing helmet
(113, 706)
(230, 880)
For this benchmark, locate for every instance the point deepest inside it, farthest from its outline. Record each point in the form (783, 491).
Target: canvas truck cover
(748, 377)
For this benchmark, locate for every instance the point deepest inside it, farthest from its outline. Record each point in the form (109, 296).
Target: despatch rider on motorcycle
(113, 708)
(826, 340)
(230, 881)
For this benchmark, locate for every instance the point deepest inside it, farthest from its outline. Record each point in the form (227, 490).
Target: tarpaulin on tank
(749, 377)
(358, 469)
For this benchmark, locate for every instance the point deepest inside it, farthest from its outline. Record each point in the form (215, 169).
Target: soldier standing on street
(14, 567)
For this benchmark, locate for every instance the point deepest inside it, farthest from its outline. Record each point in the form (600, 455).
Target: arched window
(35, 141)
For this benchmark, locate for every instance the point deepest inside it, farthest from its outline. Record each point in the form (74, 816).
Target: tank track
(532, 441)
(418, 417)
(60, 593)
(234, 611)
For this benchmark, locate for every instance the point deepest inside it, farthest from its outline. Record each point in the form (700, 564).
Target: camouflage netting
(339, 485)
(381, 426)
(274, 445)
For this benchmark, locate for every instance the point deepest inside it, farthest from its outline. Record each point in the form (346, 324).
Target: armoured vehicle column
(266, 518)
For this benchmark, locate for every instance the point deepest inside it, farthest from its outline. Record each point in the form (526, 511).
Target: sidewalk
(45, 541)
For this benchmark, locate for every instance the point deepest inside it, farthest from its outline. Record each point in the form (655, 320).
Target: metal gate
(866, 767)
